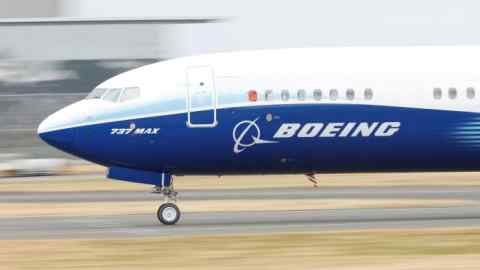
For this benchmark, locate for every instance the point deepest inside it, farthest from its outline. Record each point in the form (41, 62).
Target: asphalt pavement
(141, 225)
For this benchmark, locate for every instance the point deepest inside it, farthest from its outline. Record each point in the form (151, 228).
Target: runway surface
(114, 226)
(237, 222)
(466, 193)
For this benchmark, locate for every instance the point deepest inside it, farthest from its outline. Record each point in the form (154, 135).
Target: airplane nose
(63, 139)
(59, 129)
(47, 125)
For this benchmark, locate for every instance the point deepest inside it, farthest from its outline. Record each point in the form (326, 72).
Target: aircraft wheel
(168, 214)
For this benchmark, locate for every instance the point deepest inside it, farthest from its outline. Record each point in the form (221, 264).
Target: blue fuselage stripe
(426, 140)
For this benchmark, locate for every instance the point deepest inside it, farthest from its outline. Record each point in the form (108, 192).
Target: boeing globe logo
(247, 134)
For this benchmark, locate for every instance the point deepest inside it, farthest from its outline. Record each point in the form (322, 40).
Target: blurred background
(352, 221)
(44, 68)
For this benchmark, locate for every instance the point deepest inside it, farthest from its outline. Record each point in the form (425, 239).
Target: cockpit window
(97, 93)
(115, 95)
(112, 95)
(130, 94)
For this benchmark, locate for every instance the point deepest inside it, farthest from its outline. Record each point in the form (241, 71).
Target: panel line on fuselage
(243, 106)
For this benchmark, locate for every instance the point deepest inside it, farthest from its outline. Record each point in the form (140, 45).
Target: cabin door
(202, 97)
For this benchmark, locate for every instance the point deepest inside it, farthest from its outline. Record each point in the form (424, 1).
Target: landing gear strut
(311, 177)
(168, 213)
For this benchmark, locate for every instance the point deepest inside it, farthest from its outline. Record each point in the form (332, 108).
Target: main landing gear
(311, 177)
(168, 213)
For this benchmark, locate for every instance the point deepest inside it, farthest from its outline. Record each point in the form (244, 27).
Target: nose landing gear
(168, 213)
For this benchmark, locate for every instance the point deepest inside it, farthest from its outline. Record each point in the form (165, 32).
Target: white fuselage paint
(398, 76)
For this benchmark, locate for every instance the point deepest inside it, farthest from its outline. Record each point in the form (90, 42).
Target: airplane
(286, 111)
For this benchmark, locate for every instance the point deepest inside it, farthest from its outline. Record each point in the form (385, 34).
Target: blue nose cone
(62, 139)
(60, 129)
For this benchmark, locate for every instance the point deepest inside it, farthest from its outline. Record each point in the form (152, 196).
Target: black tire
(168, 214)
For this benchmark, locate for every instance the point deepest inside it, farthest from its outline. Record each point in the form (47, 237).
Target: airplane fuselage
(285, 111)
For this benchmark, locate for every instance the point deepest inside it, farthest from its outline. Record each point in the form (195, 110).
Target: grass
(9, 210)
(99, 183)
(386, 249)
(415, 249)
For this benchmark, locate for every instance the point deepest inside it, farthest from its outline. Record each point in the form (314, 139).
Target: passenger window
(470, 93)
(333, 94)
(96, 93)
(130, 94)
(301, 95)
(285, 95)
(112, 95)
(452, 93)
(437, 93)
(268, 95)
(317, 94)
(350, 94)
(368, 94)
